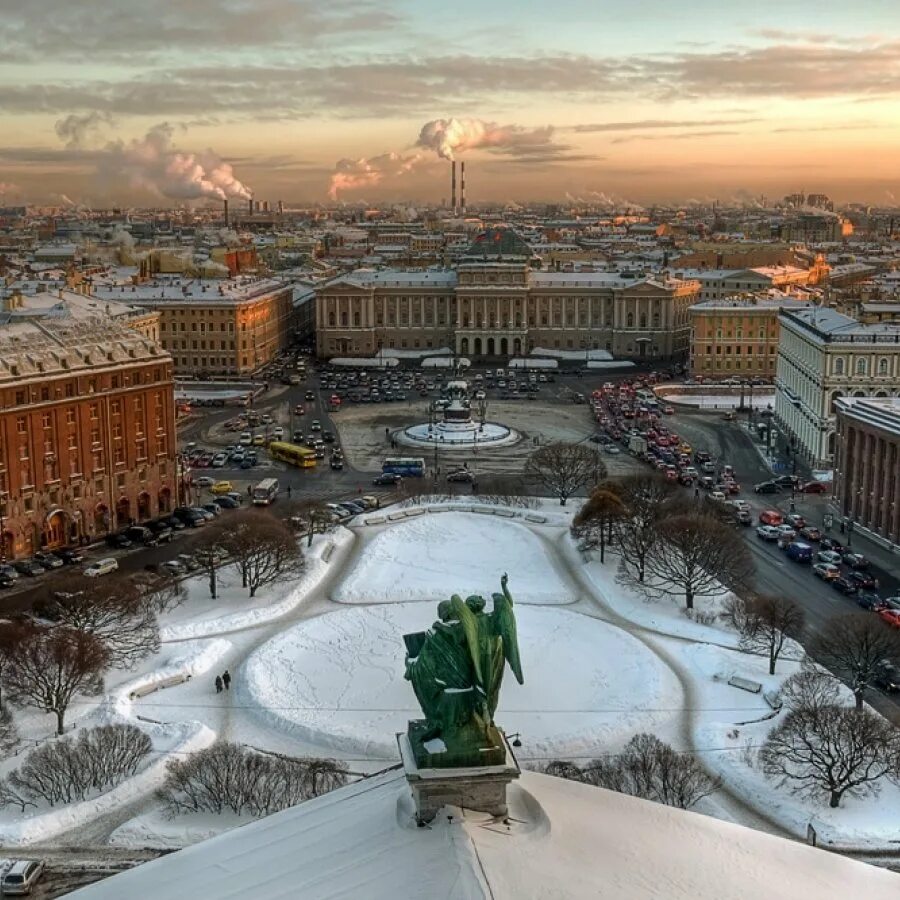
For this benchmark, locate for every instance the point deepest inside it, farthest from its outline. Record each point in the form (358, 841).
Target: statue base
(466, 746)
(477, 787)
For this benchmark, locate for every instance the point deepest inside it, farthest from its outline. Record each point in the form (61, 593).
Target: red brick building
(87, 432)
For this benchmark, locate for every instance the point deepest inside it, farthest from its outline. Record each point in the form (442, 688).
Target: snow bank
(719, 401)
(337, 681)
(612, 364)
(453, 552)
(297, 590)
(415, 354)
(375, 362)
(155, 830)
(573, 354)
(532, 363)
(446, 362)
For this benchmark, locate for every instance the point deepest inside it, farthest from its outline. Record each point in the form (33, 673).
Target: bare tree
(594, 521)
(647, 500)
(696, 557)
(564, 468)
(263, 549)
(11, 635)
(314, 517)
(649, 768)
(112, 610)
(832, 751)
(855, 647)
(160, 593)
(210, 552)
(765, 623)
(51, 665)
(810, 688)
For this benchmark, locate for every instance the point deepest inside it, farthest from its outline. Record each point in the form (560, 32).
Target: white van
(246, 438)
(101, 567)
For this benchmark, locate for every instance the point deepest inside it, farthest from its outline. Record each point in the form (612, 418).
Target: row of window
(862, 366)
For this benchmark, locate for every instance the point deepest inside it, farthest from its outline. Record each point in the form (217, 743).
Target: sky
(366, 100)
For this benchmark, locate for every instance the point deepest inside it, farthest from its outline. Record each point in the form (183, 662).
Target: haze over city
(362, 101)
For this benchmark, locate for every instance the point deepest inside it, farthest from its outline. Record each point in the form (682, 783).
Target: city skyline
(284, 99)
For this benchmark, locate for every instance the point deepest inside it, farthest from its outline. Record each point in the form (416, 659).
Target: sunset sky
(646, 101)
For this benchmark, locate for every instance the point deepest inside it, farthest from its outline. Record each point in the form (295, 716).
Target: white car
(829, 556)
(718, 496)
(246, 438)
(204, 481)
(786, 531)
(768, 532)
(21, 877)
(219, 460)
(101, 567)
(741, 504)
(278, 432)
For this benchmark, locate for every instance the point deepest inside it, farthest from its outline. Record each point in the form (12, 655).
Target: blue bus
(404, 465)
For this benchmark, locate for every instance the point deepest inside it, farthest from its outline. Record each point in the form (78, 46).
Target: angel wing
(505, 627)
(470, 626)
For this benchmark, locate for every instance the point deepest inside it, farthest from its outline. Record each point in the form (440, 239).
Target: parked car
(800, 552)
(814, 487)
(887, 677)
(766, 487)
(811, 533)
(222, 487)
(868, 600)
(829, 556)
(386, 479)
(787, 481)
(463, 476)
(770, 517)
(213, 509)
(139, 534)
(173, 523)
(353, 507)
(768, 532)
(890, 616)
(8, 571)
(48, 560)
(742, 517)
(219, 460)
(863, 581)
(70, 555)
(118, 541)
(191, 563)
(6, 581)
(795, 520)
(21, 877)
(832, 544)
(173, 567)
(826, 571)
(101, 567)
(856, 561)
(226, 502)
(205, 481)
(843, 584)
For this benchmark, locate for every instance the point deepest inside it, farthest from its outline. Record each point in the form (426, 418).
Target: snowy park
(317, 670)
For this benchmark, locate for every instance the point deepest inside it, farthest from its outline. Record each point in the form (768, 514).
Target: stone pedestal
(481, 788)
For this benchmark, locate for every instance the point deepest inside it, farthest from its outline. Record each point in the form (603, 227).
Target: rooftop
(498, 242)
(189, 290)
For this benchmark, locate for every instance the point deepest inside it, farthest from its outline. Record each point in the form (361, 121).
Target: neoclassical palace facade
(495, 305)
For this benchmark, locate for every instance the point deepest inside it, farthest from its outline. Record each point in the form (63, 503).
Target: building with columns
(494, 304)
(867, 464)
(824, 355)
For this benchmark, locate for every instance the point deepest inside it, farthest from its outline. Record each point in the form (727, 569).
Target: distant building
(87, 432)
(717, 284)
(216, 327)
(495, 305)
(867, 464)
(824, 355)
(737, 337)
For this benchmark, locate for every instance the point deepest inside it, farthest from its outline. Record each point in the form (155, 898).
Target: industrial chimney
(265, 206)
(281, 207)
(462, 187)
(250, 202)
(226, 213)
(453, 186)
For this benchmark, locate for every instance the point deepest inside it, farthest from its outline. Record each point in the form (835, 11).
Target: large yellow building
(494, 305)
(737, 338)
(217, 327)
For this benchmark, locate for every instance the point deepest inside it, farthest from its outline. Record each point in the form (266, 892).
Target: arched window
(839, 366)
(630, 320)
(861, 367)
(882, 366)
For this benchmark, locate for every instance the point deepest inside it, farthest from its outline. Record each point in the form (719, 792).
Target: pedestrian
(249, 490)
(226, 680)
(289, 492)
(218, 684)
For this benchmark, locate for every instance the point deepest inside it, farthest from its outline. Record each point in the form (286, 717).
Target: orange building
(87, 433)
(737, 338)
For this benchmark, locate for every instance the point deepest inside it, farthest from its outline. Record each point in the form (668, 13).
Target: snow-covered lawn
(338, 681)
(573, 354)
(432, 556)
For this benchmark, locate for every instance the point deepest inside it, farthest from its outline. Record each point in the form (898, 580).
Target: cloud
(153, 163)
(683, 136)
(447, 137)
(647, 124)
(9, 189)
(77, 131)
(353, 174)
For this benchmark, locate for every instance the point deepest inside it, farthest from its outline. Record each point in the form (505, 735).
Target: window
(839, 366)
(882, 366)
(20, 398)
(116, 407)
(45, 393)
(21, 424)
(861, 367)
(331, 321)
(45, 420)
(70, 416)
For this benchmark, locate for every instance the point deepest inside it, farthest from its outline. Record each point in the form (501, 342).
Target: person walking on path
(289, 492)
(218, 684)
(226, 680)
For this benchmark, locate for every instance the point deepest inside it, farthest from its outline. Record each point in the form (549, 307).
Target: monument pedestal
(481, 788)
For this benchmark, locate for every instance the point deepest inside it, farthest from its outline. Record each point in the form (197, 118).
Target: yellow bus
(293, 454)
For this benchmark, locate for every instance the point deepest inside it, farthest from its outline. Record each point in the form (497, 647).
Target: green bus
(293, 454)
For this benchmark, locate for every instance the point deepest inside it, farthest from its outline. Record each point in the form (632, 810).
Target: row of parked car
(836, 564)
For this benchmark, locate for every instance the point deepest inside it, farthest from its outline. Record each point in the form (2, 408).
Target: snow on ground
(446, 362)
(415, 354)
(201, 616)
(375, 362)
(726, 720)
(432, 556)
(338, 681)
(612, 364)
(573, 354)
(155, 829)
(533, 363)
(719, 401)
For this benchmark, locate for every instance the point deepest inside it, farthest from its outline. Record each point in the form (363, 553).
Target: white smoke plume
(447, 137)
(152, 162)
(122, 238)
(350, 174)
(79, 131)
(9, 189)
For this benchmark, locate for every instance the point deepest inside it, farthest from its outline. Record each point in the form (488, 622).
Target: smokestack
(265, 206)
(226, 213)
(453, 185)
(250, 204)
(462, 187)
(281, 207)
(258, 209)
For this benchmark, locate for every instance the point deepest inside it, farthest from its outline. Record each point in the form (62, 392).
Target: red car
(771, 517)
(814, 487)
(891, 616)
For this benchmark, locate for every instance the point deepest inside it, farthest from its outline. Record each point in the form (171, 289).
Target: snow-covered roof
(564, 840)
(189, 290)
